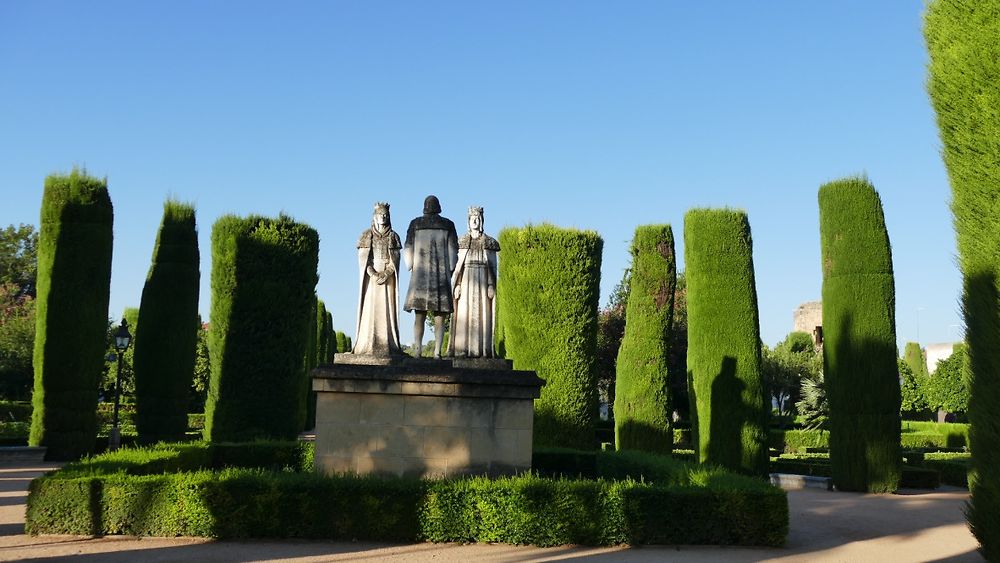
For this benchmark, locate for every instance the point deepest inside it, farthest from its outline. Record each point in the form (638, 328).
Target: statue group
(449, 275)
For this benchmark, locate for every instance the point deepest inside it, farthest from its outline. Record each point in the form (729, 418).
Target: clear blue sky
(597, 115)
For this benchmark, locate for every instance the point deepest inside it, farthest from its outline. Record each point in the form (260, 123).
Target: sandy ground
(825, 526)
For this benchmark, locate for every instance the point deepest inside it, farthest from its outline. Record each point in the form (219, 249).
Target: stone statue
(378, 260)
(475, 282)
(430, 251)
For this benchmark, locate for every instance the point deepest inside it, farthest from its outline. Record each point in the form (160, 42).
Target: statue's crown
(381, 206)
(475, 210)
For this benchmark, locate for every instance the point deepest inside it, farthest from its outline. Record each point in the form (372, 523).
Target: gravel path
(825, 526)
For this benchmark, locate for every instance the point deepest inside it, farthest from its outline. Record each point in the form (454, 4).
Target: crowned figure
(378, 262)
(474, 286)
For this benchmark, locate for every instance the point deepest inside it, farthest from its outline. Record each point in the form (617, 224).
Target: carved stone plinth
(423, 418)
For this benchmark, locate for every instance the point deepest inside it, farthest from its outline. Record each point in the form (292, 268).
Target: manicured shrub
(74, 281)
(263, 282)
(342, 342)
(956, 434)
(948, 389)
(165, 491)
(548, 293)
(728, 399)
(964, 63)
(312, 355)
(859, 352)
(642, 385)
(166, 333)
(322, 335)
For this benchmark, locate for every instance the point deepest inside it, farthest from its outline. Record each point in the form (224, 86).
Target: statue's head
(380, 217)
(476, 219)
(431, 204)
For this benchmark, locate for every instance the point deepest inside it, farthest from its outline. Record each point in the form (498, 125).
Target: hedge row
(122, 495)
(263, 285)
(74, 284)
(166, 333)
(910, 477)
(728, 400)
(547, 298)
(642, 385)
(859, 325)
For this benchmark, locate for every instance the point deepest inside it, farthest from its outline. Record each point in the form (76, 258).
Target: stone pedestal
(423, 418)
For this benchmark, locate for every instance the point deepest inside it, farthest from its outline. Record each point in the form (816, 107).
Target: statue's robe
(378, 304)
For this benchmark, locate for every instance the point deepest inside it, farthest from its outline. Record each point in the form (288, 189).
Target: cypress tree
(859, 352)
(964, 65)
(914, 357)
(308, 408)
(74, 281)
(331, 339)
(342, 342)
(728, 396)
(548, 292)
(263, 281)
(168, 325)
(322, 337)
(642, 385)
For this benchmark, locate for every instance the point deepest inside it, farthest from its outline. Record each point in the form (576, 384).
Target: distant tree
(17, 340)
(948, 387)
(610, 330)
(812, 406)
(915, 358)
(110, 372)
(19, 258)
(912, 389)
(786, 365)
(202, 372)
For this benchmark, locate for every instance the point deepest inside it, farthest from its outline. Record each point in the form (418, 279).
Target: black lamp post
(122, 339)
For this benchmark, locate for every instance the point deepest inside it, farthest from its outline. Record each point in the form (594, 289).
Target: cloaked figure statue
(430, 253)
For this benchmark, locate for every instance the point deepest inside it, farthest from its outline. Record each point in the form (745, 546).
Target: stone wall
(807, 317)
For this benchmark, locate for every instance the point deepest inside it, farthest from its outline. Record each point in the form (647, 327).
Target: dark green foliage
(312, 355)
(263, 282)
(548, 294)
(166, 334)
(321, 337)
(74, 280)
(728, 398)
(642, 386)
(19, 258)
(610, 330)
(948, 388)
(342, 345)
(859, 312)
(657, 500)
(964, 65)
(17, 342)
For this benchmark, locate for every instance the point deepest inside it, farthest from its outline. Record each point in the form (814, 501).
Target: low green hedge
(798, 440)
(925, 435)
(956, 435)
(819, 465)
(144, 492)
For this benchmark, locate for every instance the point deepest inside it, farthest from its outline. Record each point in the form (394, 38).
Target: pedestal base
(423, 418)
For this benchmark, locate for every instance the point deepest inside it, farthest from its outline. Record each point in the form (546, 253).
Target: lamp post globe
(122, 340)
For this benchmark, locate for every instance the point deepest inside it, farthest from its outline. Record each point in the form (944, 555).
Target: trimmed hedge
(819, 465)
(263, 282)
(166, 333)
(122, 493)
(964, 63)
(642, 386)
(728, 399)
(74, 283)
(547, 296)
(859, 326)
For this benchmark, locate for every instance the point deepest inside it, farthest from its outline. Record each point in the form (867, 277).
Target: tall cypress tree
(547, 294)
(166, 334)
(74, 282)
(263, 281)
(728, 397)
(964, 66)
(642, 384)
(859, 328)
(914, 357)
(311, 353)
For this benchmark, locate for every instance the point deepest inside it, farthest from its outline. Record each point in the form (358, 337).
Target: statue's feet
(437, 355)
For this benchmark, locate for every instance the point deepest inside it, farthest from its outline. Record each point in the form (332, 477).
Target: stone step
(21, 454)
(789, 481)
